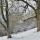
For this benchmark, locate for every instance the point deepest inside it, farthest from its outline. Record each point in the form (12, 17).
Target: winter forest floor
(27, 31)
(27, 35)
(21, 27)
(27, 25)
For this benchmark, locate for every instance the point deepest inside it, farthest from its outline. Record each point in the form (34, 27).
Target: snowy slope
(28, 35)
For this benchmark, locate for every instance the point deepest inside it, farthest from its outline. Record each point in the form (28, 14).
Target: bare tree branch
(2, 12)
(11, 5)
(3, 25)
(7, 16)
(30, 6)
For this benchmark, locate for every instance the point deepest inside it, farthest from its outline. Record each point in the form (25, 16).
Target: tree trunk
(7, 17)
(38, 16)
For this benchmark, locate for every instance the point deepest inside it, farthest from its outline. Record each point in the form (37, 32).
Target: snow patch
(27, 35)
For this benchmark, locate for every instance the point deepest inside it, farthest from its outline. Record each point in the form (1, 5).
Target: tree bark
(7, 17)
(38, 16)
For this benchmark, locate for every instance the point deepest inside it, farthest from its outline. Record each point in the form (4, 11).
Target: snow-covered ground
(27, 35)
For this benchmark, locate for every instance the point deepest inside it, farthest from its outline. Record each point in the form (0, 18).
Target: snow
(27, 35)
(18, 6)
